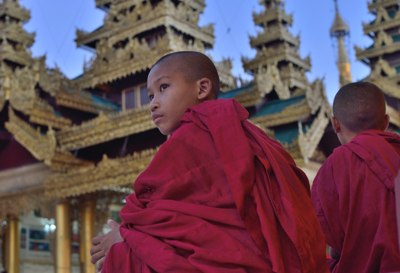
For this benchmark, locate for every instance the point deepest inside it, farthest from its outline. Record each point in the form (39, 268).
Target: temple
(383, 56)
(70, 149)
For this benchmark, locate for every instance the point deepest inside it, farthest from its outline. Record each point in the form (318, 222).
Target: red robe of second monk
(219, 197)
(353, 193)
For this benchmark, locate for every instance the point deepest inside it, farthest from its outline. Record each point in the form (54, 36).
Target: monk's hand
(101, 244)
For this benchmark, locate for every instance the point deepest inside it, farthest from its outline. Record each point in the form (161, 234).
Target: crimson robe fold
(353, 194)
(219, 196)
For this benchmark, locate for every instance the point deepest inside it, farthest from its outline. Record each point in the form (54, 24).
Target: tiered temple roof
(285, 103)
(383, 56)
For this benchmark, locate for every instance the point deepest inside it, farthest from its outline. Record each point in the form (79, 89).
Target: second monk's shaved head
(360, 106)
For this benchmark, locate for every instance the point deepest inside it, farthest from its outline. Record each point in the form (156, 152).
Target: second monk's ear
(204, 89)
(335, 124)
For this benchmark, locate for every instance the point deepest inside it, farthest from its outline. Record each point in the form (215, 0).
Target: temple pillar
(63, 237)
(12, 245)
(86, 234)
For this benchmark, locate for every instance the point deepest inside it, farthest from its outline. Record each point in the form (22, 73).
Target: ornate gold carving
(249, 98)
(309, 141)
(104, 128)
(106, 174)
(269, 80)
(273, 33)
(225, 74)
(292, 113)
(22, 90)
(316, 96)
(382, 67)
(13, 9)
(272, 15)
(15, 32)
(40, 146)
(269, 55)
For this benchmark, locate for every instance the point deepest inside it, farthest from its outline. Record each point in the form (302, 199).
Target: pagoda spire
(277, 67)
(339, 31)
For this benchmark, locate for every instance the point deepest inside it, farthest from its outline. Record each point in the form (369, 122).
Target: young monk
(353, 191)
(219, 195)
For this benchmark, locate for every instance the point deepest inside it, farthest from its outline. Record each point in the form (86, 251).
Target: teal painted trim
(100, 101)
(235, 92)
(277, 106)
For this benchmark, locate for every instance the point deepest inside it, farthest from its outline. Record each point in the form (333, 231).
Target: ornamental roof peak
(339, 26)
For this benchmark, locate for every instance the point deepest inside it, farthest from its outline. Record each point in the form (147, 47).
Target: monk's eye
(163, 87)
(151, 96)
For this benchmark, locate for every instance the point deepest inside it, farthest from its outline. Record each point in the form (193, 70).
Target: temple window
(134, 97)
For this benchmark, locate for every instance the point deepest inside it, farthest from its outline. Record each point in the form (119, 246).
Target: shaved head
(360, 106)
(194, 65)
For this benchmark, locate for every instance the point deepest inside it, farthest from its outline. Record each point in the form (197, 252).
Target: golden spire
(339, 31)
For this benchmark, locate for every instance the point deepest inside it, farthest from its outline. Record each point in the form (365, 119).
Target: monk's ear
(204, 89)
(336, 125)
(387, 119)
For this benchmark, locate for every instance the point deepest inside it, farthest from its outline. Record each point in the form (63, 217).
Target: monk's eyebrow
(162, 77)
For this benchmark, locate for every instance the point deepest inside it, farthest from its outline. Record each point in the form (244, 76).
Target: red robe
(353, 194)
(219, 196)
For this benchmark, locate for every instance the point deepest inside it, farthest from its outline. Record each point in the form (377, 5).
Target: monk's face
(171, 94)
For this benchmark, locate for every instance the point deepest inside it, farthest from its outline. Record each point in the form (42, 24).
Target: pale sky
(55, 24)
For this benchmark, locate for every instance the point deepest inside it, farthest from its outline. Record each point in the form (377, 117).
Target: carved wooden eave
(64, 160)
(274, 33)
(103, 74)
(316, 97)
(16, 33)
(23, 97)
(292, 113)
(272, 15)
(225, 76)
(271, 55)
(249, 98)
(294, 76)
(83, 101)
(41, 146)
(373, 5)
(308, 142)
(382, 22)
(136, 57)
(377, 50)
(390, 87)
(19, 56)
(107, 173)
(13, 9)
(105, 128)
(43, 114)
(271, 80)
(21, 189)
(158, 17)
(388, 83)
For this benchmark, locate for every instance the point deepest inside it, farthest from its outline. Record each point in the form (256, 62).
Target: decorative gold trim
(105, 128)
(40, 146)
(292, 113)
(308, 142)
(106, 174)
